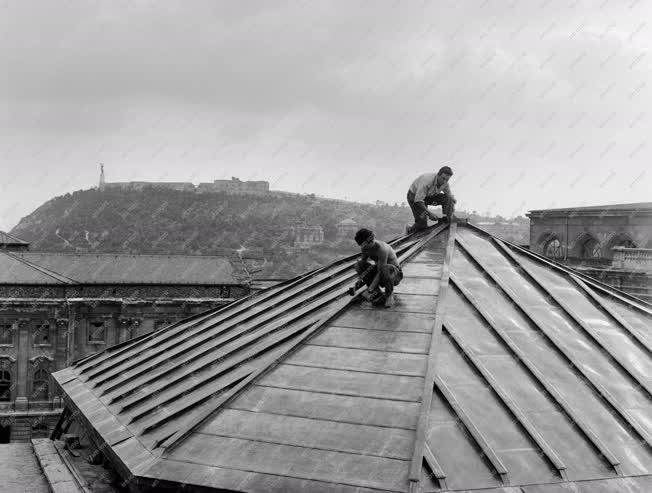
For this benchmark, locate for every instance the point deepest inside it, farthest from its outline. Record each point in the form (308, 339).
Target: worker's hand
(432, 216)
(358, 284)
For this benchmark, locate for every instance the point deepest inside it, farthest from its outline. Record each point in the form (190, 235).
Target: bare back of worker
(381, 253)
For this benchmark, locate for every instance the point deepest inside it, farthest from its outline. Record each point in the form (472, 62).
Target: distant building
(347, 229)
(141, 185)
(610, 242)
(306, 236)
(234, 185)
(11, 243)
(581, 233)
(56, 308)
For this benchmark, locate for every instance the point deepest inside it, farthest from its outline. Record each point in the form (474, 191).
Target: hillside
(158, 221)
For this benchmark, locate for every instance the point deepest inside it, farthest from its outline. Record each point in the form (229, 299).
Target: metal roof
(495, 369)
(7, 239)
(14, 270)
(131, 269)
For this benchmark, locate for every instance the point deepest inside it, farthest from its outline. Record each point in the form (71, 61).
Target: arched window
(552, 249)
(590, 248)
(618, 240)
(40, 385)
(5, 386)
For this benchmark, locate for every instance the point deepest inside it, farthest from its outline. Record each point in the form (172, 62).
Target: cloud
(315, 88)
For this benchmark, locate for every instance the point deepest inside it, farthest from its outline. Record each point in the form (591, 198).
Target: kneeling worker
(385, 272)
(430, 189)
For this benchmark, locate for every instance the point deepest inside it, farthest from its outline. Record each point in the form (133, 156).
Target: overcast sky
(534, 103)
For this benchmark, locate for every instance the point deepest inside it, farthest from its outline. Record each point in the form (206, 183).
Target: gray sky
(534, 103)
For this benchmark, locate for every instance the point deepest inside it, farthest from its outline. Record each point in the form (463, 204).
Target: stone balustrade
(639, 259)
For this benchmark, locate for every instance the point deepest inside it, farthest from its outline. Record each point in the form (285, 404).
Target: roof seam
(256, 440)
(598, 388)
(431, 370)
(538, 376)
(391, 427)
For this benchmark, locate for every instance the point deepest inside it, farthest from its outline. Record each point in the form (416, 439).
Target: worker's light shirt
(426, 186)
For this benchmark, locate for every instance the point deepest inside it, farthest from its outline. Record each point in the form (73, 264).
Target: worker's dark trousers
(420, 217)
(390, 275)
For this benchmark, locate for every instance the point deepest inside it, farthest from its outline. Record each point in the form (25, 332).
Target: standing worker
(430, 189)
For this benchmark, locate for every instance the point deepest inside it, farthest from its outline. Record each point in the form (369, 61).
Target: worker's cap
(445, 170)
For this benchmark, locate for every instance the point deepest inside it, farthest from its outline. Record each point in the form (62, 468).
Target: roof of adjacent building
(38, 268)
(8, 239)
(496, 369)
(20, 470)
(613, 208)
(14, 270)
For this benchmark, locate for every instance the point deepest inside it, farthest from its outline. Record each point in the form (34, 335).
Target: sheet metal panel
(582, 459)
(245, 481)
(357, 317)
(376, 361)
(194, 377)
(408, 303)
(455, 450)
(610, 338)
(317, 434)
(378, 339)
(640, 322)
(292, 461)
(416, 285)
(614, 485)
(317, 405)
(182, 375)
(345, 382)
(572, 342)
(219, 334)
(552, 390)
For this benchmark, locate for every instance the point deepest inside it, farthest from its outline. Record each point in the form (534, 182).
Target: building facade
(234, 185)
(346, 229)
(581, 233)
(11, 243)
(603, 241)
(142, 185)
(57, 308)
(306, 236)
